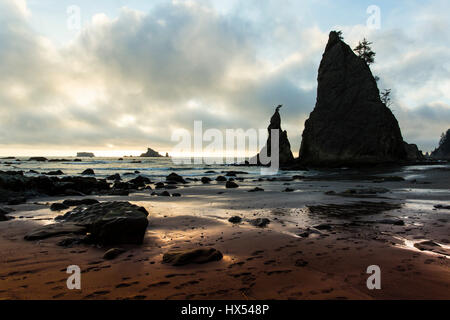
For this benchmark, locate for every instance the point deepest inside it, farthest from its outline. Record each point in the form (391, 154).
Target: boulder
(349, 125)
(235, 219)
(205, 180)
(231, 185)
(175, 177)
(140, 181)
(195, 256)
(221, 179)
(88, 172)
(259, 222)
(106, 223)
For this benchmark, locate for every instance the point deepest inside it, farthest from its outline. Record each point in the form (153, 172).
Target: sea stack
(151, 154)
(350, 125)
(285, 152)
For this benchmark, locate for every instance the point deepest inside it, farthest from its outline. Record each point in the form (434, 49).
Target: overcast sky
(137, 70)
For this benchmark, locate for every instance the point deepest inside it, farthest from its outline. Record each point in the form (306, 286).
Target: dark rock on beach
(88, 172)
(259, 222)
(103, 223)
(195, 256)
(175, 177)
(221, 179)
(205, 180)
(231, 185)
(235, 219)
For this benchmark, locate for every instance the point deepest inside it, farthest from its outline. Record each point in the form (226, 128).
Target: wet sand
(284, 260)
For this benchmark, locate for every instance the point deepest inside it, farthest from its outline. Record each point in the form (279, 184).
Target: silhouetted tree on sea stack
(364, 51)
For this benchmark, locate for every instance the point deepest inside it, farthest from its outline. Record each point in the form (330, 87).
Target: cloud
(130, 80)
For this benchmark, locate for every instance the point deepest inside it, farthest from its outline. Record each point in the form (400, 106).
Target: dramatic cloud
(127, 82)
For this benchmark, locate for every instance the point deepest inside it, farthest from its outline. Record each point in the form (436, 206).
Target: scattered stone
(159, 185)
(235, 219)
(88, 172)
(205, 180)
(259, 222)
(231, 185)
(221, 179)
(140, 181)
(175, 177)
(195, 256)
(176, 195)
(440, 206)
(256, 189)
(288, 190)
(113, 253)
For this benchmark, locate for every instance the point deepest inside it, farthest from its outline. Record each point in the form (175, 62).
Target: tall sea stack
(285, 154)
(349, 124)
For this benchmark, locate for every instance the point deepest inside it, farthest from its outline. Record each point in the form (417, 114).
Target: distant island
(85, 154)
(152, 154)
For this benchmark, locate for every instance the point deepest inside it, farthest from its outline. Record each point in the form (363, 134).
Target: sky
(132, 72)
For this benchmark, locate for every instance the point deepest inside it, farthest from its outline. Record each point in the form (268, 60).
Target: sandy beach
(317, 245)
